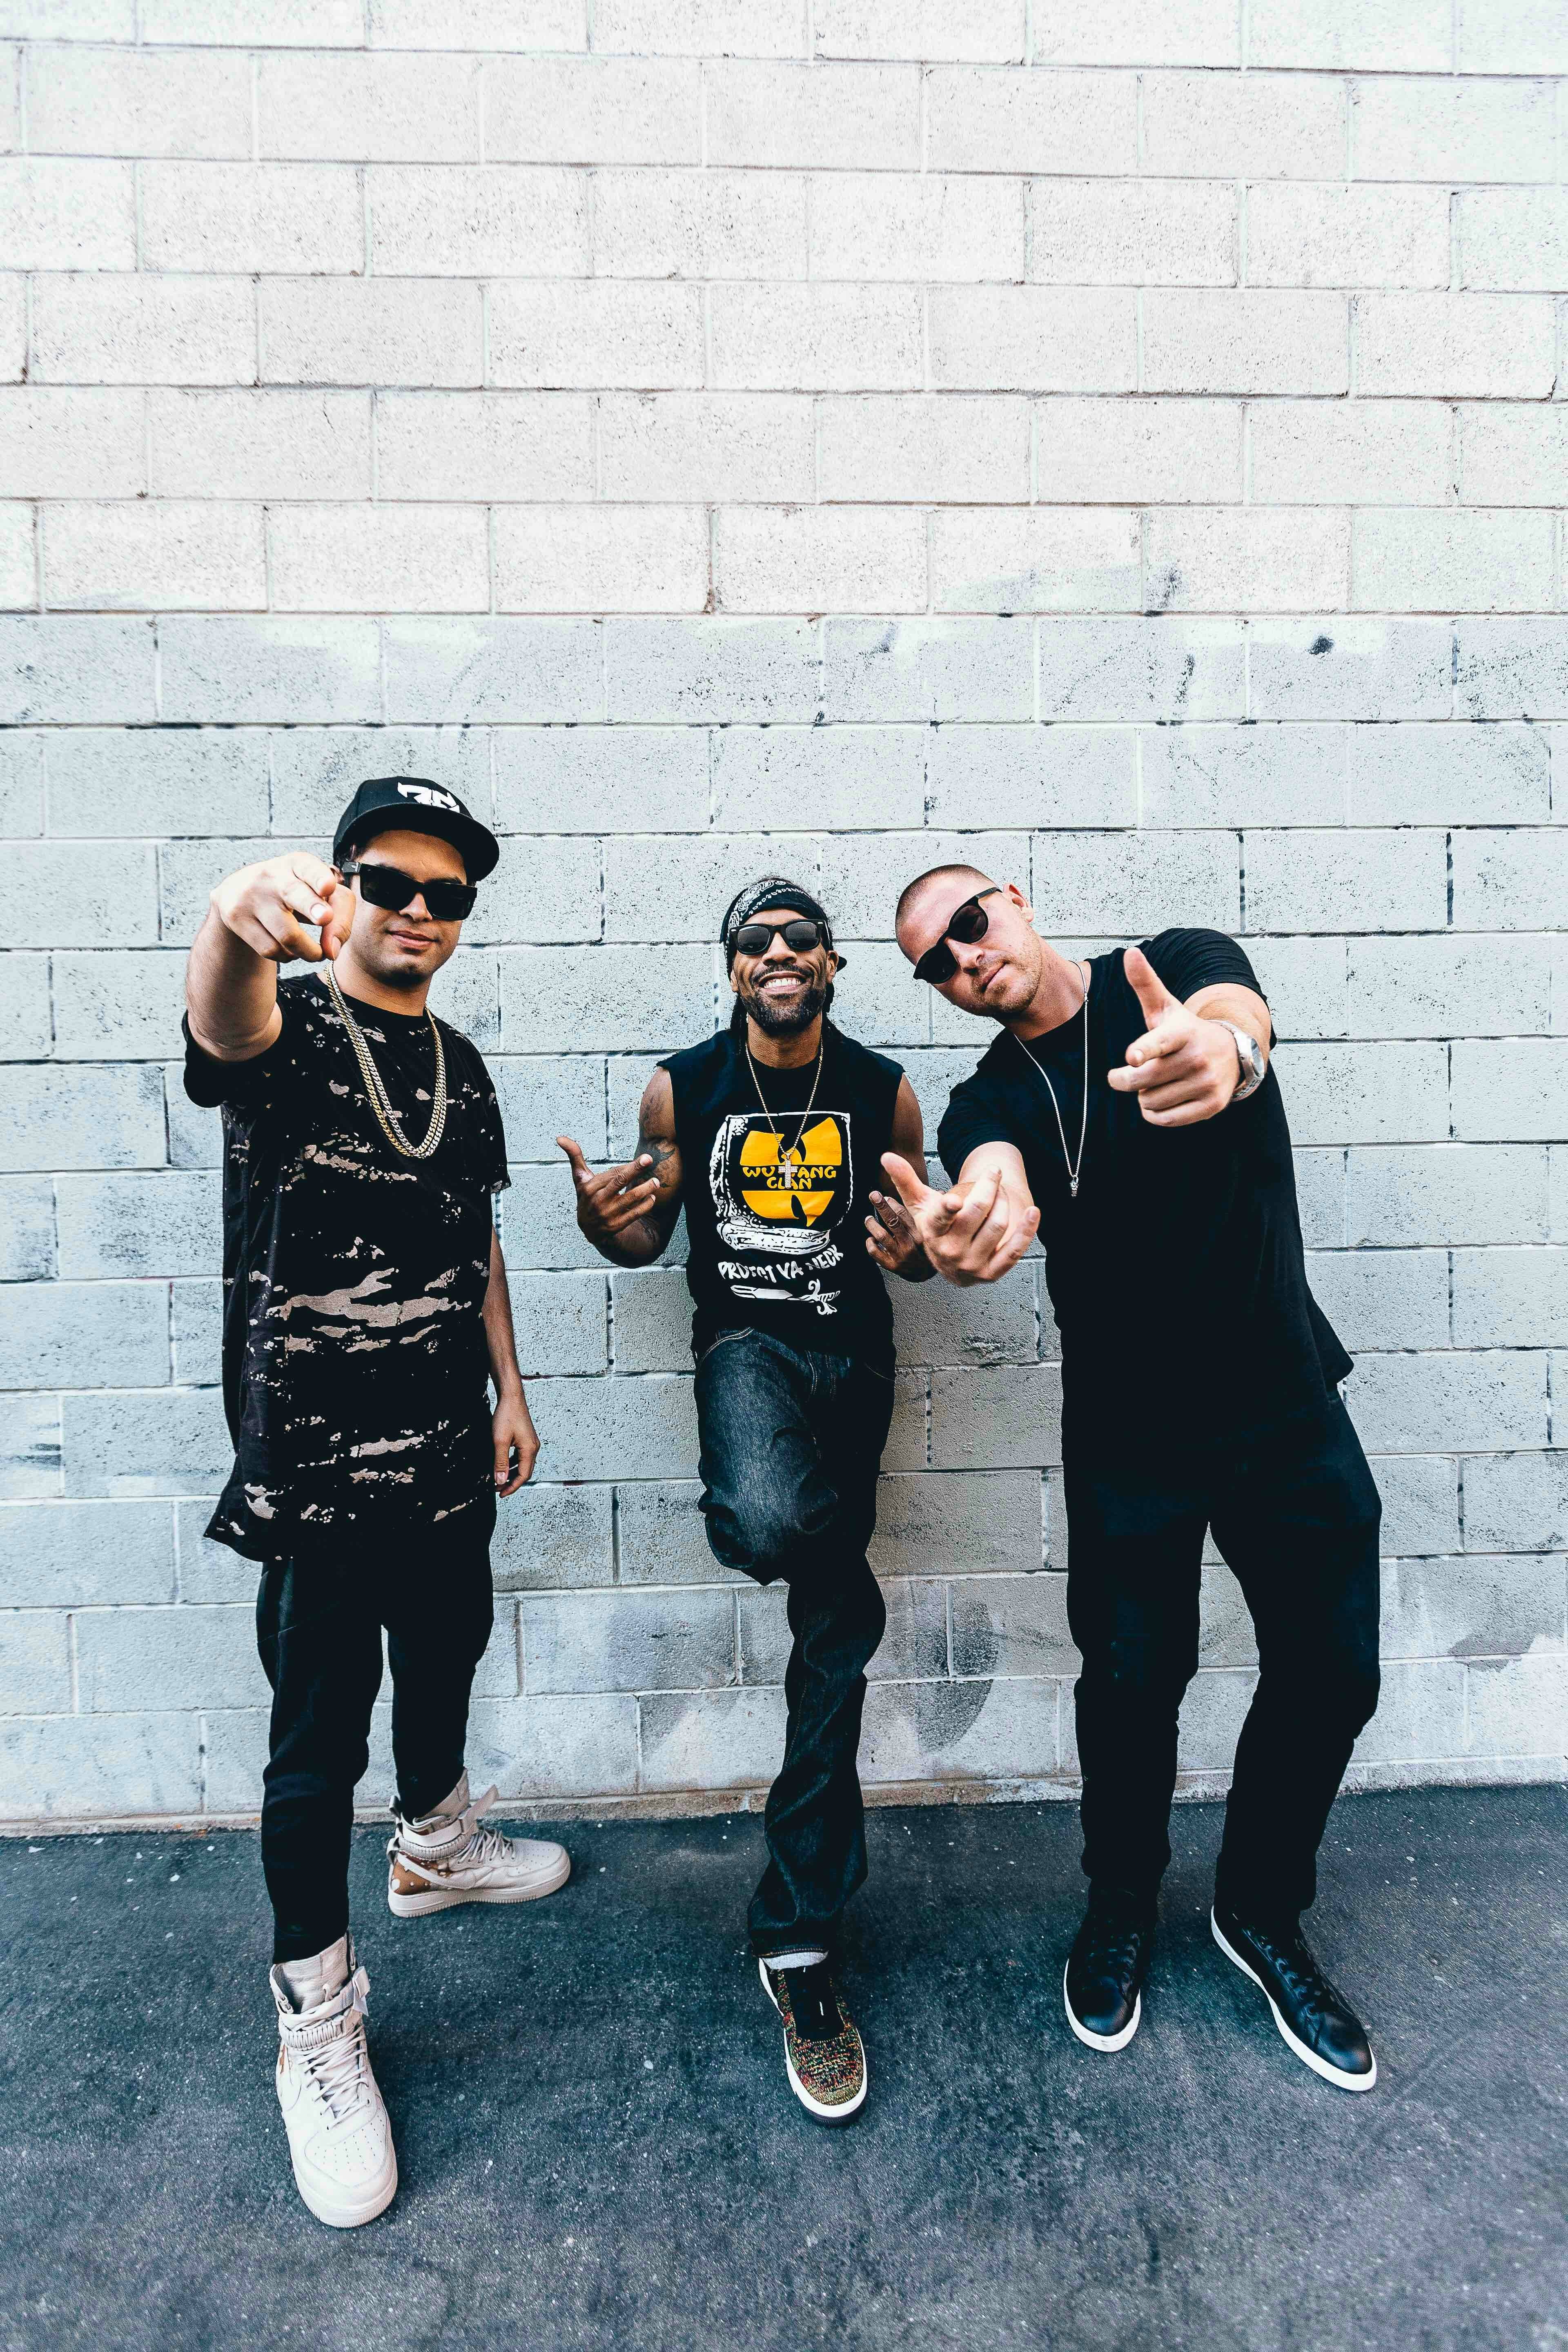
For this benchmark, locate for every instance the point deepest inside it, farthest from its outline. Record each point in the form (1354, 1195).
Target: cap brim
(480, 849)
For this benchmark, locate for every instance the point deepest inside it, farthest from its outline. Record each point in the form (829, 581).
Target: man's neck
(1058, 998)
(355, 981)
(794, 1053)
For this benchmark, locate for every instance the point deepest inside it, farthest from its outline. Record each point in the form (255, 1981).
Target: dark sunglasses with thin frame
(966, 924)
(390, 888)
(800, 935)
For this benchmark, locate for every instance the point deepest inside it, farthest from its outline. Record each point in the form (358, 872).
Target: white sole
(1103, 2041)
(447, 1898)
(815, 2107)
(1334, 2075)
(356, 2216)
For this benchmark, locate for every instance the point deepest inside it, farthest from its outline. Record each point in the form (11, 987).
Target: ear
(1016, 898)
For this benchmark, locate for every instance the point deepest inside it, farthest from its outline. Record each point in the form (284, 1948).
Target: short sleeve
(1187, 961)
(972, 1116)
(248, 1086)
(488, 1133)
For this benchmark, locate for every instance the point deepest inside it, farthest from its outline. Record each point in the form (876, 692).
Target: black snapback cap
(414, 804)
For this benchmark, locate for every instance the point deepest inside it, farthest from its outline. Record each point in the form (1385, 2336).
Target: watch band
(1249, 1056)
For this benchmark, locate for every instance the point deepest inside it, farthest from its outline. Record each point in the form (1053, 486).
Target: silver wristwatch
(1250, 1054)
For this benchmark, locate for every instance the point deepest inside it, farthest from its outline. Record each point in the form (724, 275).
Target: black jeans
(1295, 1513)
(790, 1443)
(318, 1628)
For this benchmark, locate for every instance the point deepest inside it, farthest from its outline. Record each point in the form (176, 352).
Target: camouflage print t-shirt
(354, 1363)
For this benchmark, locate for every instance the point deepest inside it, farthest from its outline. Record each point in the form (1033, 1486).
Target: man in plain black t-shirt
(1127, 1114)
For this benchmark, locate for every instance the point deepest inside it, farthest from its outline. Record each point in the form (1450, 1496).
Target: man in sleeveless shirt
(770, 1135)
(365, 1317)
(1127, 1113)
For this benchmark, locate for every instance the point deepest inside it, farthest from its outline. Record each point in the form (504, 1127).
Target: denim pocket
(745, 1332)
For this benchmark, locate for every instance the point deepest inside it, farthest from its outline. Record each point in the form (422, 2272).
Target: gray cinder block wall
(1125, 442)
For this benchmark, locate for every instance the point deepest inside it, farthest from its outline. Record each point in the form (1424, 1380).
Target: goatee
(784, 1021)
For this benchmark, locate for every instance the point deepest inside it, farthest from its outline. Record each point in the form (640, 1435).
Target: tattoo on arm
(656, 1138)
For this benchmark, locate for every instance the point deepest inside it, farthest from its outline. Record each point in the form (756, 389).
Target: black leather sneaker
(1102, 1984)
(1313, 2015)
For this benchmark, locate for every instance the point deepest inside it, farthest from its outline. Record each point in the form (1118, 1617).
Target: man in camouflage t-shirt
(366, 1319)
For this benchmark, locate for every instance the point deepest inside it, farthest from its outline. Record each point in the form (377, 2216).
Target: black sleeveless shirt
(776, 1201)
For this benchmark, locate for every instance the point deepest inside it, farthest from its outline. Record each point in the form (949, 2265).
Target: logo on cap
(428, 797)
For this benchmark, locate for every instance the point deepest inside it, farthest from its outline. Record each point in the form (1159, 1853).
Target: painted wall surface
(1124, 443)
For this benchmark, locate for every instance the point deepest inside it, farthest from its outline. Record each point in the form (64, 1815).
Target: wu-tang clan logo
(774, 1195)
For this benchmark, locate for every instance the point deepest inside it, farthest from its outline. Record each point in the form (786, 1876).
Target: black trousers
(791, 1443)
(318, 1628)
(1295, 1513)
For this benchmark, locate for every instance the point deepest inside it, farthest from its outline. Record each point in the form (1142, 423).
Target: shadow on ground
(598, 2149)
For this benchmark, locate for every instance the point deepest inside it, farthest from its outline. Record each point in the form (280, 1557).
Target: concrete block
(701, 28)
(1520, 36)
(1349, 668)
(980, 1730)
(652, 1311)
(21, 786)
(565, 1000)
(100, 895)
(1509, 1298)
(1131, 884)
(26, 1229)
(496, 1676)
(1033, 339)
(315, 771)
(765, 115)
(992, 1324)
(560, 1323)
(168, 102)
(938, 668)
(1136, 32)
(913, 1648)
(1248, 776)
(154, 1442)
(1310, 881)
(1511, 668)
(1420, 1503)
(1038, 559)
(174, 555)
(299, 672)
(547, 1537)
(73, 441)
(18, 557)
(73, 20)
(433, 220)
(711, 1740)
(922, 447)
(195, 1330)
(1340, 35)
(1513, 239)
(1143, 669)
(1213, 1713)
(165, 1658)
(1460, 774)
(1406, 127)
(1225, 1637)
(991, 32)
(484, 445)
(679, 1639)
(30, 1447)
(1516, 1502)
(705, 445)
(961, 1522)
(719, 670)
(1458, 346)
(1512, 879)
(878, 1003)
(1161, 452)
(1320, 1198)
(1251, 126)
(1482, 1401)
(650, 223)
(1383, 1298)
(13, 329)
(369, 331)
(1132, 232)
(590, 779)
(238, 217)
(1259, 339)
(70, 1555)
(467, 993)
(1032, 775)
(861, 877)
(908, 1445)
(1205, 558)
(209, 1573)
(190, 870)
(430, 559)
(477, 24)
(67, 1768)
(661, 1538)
(541, 1748)
(1512, 1090)
(601, 559)
(1518, 1707)
(1011, 1625)
(640, 1427)
(1498, 561)
(892, 226)
(24, 1007)
(1557, 1213)
(152, 780)
(539, 1220)
(840, 777)
(1443, 1192)
(494, 668)
(639, 333)
(268, 443)
(541, 1098)
(545, 888)
(594, 110)
(848, 338)
(1487, 987)
(67, 215)
(997, 1418)
(1371, 1093)
(1306, 453)
(283, 23)
(107, 1116)
(85, 1335)
(401, 109)
(811, 559)
(1511, 457)
(1311, 233)
(981, 120)
(34, 1662)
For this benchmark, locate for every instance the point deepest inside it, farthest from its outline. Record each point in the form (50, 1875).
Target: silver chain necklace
(376, 1086)
(777, 1131)
(1072, 1166)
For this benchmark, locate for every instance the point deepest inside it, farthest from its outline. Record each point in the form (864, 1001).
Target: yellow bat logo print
(794, 1185)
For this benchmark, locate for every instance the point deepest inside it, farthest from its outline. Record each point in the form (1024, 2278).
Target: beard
(784, 1021)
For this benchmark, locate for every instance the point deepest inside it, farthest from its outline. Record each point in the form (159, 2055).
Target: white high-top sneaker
(448, 1858)
(340, 2136)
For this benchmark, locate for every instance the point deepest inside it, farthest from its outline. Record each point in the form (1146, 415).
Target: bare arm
(256, 920)
(511, 1423)
(979, 1229)
(891, 1237)
(629, 1212)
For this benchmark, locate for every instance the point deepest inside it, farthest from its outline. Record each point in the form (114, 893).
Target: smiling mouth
(782, 980)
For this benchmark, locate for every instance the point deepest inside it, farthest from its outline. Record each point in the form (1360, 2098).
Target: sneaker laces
(459, 1839)
(1116, 1926)
(1291, 1957)
(333, 2052)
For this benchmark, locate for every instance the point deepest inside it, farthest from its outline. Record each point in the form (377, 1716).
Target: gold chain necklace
(777, 1133)
(380, 1100)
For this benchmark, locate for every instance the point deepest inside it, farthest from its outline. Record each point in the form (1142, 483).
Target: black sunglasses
(389, 888)
(801, 935)
(966, 924)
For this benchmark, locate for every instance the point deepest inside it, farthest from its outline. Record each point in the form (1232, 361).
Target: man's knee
(1147, 1666)
(762, 1537)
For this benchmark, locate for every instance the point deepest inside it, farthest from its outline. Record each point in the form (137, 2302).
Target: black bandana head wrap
(772, 890)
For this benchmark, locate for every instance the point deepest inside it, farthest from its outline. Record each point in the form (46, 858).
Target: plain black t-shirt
(355, 1368)
(1176, 1276)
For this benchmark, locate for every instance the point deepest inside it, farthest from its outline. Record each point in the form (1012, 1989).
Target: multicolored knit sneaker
(825, 2057)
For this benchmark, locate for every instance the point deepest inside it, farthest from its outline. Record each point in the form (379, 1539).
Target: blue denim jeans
(791, 1443)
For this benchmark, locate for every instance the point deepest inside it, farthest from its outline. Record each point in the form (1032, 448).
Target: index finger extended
(322, 877)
